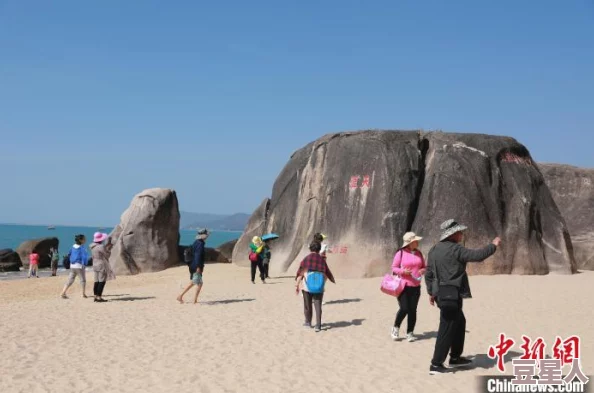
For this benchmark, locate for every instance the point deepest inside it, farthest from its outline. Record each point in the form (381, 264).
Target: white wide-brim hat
(410, 237)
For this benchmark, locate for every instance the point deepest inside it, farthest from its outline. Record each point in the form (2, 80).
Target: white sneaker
(395, 332)
(410, 337)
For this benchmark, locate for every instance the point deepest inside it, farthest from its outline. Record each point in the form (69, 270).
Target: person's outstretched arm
(479, 255)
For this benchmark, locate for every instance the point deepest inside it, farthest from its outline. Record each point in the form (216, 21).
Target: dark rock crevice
(423, 146)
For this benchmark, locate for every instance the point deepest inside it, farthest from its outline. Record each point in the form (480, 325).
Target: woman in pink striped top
(410, 265)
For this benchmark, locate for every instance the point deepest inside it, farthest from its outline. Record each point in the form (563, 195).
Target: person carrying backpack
(194, 256)
(313, 273)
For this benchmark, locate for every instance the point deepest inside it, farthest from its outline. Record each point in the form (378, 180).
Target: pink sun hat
(99, 237)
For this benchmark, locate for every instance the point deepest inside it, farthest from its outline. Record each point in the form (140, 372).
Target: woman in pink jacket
(410, 265)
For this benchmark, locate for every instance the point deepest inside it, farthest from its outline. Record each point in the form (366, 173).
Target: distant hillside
(219, 222)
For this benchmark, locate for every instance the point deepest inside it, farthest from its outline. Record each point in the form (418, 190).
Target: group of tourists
(444, 272)
(445, 278)
(259, 257)
(447, 285)
(34, 257)
(78, 259)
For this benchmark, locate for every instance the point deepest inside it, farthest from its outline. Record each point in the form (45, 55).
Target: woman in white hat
(409, 264)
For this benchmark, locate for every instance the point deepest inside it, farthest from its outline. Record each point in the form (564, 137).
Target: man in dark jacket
(196, 266)
(447, 283)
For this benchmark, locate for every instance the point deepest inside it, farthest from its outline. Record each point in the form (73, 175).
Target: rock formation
(226, 249)
(573, 190)
(41, 247)
(146, 240)
(10, 261)
(221, 254)
(366, 189)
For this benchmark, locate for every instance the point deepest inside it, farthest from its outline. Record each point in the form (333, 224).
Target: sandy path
(249, 338)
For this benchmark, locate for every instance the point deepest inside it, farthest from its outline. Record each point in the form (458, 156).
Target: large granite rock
(41, 247)
(146, 240)
(256, 226)
(10, 261)
(366, 189)
(573, 190)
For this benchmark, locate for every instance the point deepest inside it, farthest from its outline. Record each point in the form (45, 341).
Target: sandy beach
(249, 338)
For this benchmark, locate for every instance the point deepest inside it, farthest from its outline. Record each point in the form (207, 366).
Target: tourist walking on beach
(312, 274)
(33, 264)
(197, 255)
(410, 266)
(55, 258)
(79, 258)
(101, 251)
(321, 238)
(266, 255)
(447, 284)
(256, 258)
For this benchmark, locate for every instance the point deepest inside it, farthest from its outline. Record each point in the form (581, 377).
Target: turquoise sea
(11, 236)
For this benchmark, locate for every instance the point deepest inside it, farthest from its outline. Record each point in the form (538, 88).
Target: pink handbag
(392, 285)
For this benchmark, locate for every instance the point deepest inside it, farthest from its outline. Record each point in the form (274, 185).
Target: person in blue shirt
(196, 265)
(79, 259)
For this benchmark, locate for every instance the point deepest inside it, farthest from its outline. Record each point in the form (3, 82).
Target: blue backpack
(315, 282)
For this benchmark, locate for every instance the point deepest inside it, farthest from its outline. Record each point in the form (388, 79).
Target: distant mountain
(218, 222)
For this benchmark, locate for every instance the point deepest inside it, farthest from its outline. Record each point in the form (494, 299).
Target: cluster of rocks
(366, 189)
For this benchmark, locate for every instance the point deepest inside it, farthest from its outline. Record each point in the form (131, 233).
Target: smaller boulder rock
(41, 247)
(10, 261)
(226, 249)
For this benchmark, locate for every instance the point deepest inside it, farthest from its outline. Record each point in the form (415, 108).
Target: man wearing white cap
(447, 284)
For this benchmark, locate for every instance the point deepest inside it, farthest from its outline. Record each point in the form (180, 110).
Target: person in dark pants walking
(266, 255)
(257, 248)
(409, 265)
(313, 263)
(447, 284)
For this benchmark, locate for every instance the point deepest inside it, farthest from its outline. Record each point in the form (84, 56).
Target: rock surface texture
(10, 261)
(573, 190)
(364, 190)
(146, 240)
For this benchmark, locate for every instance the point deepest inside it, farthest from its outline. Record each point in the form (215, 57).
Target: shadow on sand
(483, 361)
(229, 301)
(342, 301)
(132, 299)
(426, 336)
(343, 324)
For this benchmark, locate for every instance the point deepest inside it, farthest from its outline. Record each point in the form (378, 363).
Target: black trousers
(316, 300)
(258, 265)
(451, 335)
(98, 288)
(408, 301)
(265, 266)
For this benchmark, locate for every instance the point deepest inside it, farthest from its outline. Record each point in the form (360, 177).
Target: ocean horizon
(13, 235)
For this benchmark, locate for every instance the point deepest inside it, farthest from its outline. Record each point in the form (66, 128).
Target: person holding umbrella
(266, 252)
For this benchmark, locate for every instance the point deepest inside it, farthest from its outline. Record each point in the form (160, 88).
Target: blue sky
(99, 100)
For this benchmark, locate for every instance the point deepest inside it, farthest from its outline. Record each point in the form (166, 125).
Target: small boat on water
(51, 227)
